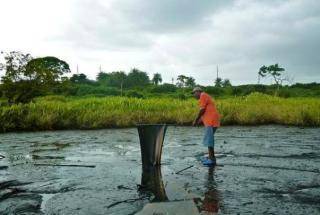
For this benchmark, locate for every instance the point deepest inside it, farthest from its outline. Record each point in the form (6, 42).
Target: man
(209, 116)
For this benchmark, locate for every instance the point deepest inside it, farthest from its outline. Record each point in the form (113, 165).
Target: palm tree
(226, 83)
(218, 82)
(190, 82)
(156, 78)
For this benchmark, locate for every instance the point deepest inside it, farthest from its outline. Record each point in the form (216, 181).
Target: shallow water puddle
(45, 198)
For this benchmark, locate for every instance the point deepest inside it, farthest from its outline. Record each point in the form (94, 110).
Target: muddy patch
(261, 170)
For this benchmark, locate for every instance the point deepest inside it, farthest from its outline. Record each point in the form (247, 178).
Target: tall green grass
(58, 112)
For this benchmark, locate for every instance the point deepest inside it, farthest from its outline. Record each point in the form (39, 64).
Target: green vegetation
(35, 95)
(26, 78)
(59, 112)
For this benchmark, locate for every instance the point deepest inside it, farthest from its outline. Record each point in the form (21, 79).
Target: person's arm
(197, 120)
(203, 104)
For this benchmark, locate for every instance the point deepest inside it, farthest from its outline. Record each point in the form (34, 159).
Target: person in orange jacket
(209, 116)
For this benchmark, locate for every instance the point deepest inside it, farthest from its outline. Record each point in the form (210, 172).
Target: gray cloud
(169, 16)
(134, 23)
(243, 37)
(186, 36)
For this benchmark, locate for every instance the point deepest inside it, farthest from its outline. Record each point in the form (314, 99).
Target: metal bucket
(151, 141)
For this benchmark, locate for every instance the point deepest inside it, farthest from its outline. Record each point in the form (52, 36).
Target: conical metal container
(151, 141)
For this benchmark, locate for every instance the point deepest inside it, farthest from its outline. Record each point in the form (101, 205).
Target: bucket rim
(145, 124)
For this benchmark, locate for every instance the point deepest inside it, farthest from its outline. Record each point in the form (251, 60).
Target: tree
(274, 71)
(103, 77)
(218, 82)
(26, 77)
(185, 81)
(46, 69)
(79, 78)
(181, 81)
(190, 82)
(117, 79)
(137, 78)
(15, 65)
(226, 83)
(156, 78)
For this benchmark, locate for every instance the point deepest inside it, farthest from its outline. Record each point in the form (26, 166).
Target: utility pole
(217, 72)
(100, 70)
(77, 69)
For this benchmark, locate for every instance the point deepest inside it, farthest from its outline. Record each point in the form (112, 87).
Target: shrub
(164, 88)
(134, 94)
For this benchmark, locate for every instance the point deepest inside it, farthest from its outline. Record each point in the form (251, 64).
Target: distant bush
(164, 88)
(170, 90)
(67, 88)
(214, 91)
(84, 89)
(1, 91)
(133, 94)
(285, 93)
(244, 90)
(3, 102)
(52, 98)
(181, 96)
(312, 85)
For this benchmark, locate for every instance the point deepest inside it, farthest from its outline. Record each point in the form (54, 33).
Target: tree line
(27, 77)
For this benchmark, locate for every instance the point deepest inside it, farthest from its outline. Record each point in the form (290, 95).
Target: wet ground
(261, 170)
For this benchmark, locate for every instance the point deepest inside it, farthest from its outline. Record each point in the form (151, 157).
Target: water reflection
(153, 187)
(212, 196)
(152, 183)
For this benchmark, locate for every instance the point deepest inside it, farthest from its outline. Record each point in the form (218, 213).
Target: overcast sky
(170, 37)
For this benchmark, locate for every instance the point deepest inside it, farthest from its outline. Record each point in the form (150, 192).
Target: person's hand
(195, 122)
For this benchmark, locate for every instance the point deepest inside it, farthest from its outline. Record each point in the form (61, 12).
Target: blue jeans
(208, 139)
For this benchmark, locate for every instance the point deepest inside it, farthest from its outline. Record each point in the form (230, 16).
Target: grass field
(58, 112)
